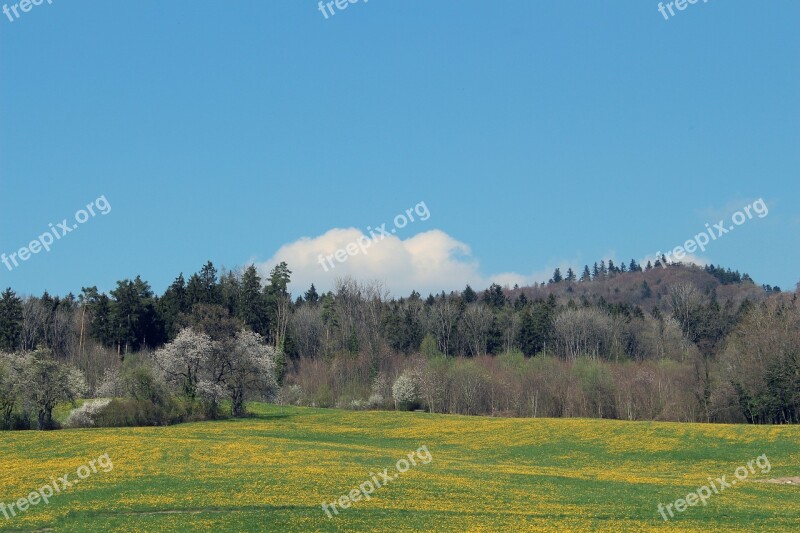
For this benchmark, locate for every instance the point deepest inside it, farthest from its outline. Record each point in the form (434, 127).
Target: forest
(663, 341)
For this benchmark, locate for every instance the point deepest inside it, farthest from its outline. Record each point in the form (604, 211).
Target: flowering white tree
(185, 361)
(234, 368)
(47, 382)
(250, 368)
(405, 389)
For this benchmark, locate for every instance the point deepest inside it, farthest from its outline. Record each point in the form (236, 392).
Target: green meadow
(273, 471)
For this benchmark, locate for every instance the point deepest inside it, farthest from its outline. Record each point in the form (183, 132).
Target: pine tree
(570, 275)
(557, 276)
(521, 302)
(278, 304)
(172, 305)
(469, 295)
(208, 284)
(311, 295)
(494, 297)
(10, 320)
(252, 307)
(646, 291)
(586, 276)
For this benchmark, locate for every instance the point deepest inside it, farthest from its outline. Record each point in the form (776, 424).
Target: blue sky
(537, 134)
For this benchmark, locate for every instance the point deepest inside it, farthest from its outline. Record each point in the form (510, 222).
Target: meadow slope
(271, 473)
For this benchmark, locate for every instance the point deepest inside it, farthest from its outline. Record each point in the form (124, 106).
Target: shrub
(128, 412)
(323, 396)
(85, 415)
(376, 401)
(290, 395)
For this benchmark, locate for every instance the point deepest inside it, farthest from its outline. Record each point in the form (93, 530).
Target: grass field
(272, 472)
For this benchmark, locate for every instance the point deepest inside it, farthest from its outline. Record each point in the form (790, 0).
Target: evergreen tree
(586, 276)
(230, 292)
(557, 278)
(203, 288)
(125, 311)
(208, 280)
(90, 317)
(646, 291)
(252, 307)
(135, 321)
(174, 303)
(521, 302)
(311, 295)
(469, 295)
(278, 303)
(279, 278)
(570, 274)
(494, 297)
(10, 321)
(535, 327)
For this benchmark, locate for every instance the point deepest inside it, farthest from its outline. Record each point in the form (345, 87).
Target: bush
(376, 401)
(323, 396)
(290, 395)
(21, 421)
(127, 412)
(85, 415)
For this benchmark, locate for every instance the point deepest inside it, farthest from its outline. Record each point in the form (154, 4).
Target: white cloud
(427, 262)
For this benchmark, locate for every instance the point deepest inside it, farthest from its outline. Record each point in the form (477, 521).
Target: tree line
(663, 341)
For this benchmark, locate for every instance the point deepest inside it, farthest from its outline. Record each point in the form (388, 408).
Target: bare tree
(583, 331)
(477, 322)
(684, 299)
(308, 330)
(445, 314)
